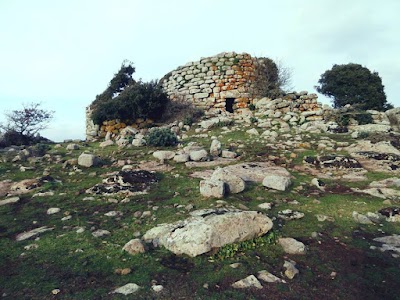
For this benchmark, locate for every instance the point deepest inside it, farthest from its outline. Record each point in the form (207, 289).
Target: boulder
(290, 269)
(181, 158)
(207, 229)
(234, 183)
(228, 154)
(248, 282)
(134, 247)
(198, 155)
(163, 155)
(127, 289)
(9, 200)
(276, 182)
(88, 160)
(256, 171)
(212, 188)
(72, 147)
(292, 246)
(34, 232)
(138, 142)
(266, 276)
(215, 148)
(106, 143)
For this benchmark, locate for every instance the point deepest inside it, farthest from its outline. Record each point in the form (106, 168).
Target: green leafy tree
(126, 99)
(355, 85)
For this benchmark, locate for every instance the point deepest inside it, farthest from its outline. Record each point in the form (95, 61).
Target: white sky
(64, 53)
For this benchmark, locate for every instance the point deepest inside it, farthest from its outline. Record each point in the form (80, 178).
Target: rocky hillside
(246, 206)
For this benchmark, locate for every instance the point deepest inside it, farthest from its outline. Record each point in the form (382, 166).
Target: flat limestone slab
(207, 229)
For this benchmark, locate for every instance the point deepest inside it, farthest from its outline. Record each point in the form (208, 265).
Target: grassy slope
(83, 266)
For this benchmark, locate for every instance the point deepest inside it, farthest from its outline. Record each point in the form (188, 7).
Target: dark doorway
(229, 104)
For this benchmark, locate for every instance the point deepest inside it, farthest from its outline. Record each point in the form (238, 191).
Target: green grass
(83, 267)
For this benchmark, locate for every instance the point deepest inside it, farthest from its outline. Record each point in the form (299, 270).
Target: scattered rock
(208, 229)
(88, 160)
(9, 200)
(266, 276)
(215, 148)
(53, 210)
(123, 272)
(72, 147)
(100, 233)
(289, 214)
(157, 288)
(134, 247)
(34, 232)
(212, 188)
(276, 182)
(360, 218)
(248, 282)
(163, 155)
(198, 155)
(291, 270)
(265, 205)
(127, 289)
(292, 246)
(234, 183)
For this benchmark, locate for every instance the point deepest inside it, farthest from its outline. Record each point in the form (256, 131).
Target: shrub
(363, 135)
(161, 137)
(252, 106)
(180, 109)
(14, 138)
(253, 120)
(40, 149)
(364, 118)
(138, 100)
(343, 120)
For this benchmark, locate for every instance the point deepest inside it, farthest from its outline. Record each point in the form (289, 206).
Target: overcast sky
(64, 53)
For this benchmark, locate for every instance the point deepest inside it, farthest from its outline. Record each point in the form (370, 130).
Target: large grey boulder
(234, 183)
(198, 155)
(163, 155)
(248, 282)
(256, 171)
(276, 182)
(207, 229)
(72, 147)
(215, 148)
(292, 246)
(212, 188)
(88, 160)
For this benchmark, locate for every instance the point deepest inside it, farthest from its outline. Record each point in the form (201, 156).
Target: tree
(29, 120)
(272, 78)
(355, 85)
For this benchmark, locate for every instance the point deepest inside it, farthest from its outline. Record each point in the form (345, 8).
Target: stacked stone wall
(210, 81)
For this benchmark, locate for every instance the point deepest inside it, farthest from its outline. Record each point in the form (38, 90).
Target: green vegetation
(161, 137)
(353, 84)
(82, 266)
(127, 99)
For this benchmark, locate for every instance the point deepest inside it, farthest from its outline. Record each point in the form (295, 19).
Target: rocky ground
(242, 208)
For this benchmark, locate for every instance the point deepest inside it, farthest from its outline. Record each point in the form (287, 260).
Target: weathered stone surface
(248, 282)
(276, 182)
(234, 183)
(9, 200)
(292, 246)
(138, 142)
(34, 232)
(88, 160)
(198, 155)
(266, 276)
(134, 247)
(106, 143)
(181, 158)
(127, 289)
(256, 171)
(360, 218)
(291, 270)
(228, 154)
(72, 147)
(53, 210)
(212, 188)
(164, 155)
(24, 186)
(207, 229)
(215, 148)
